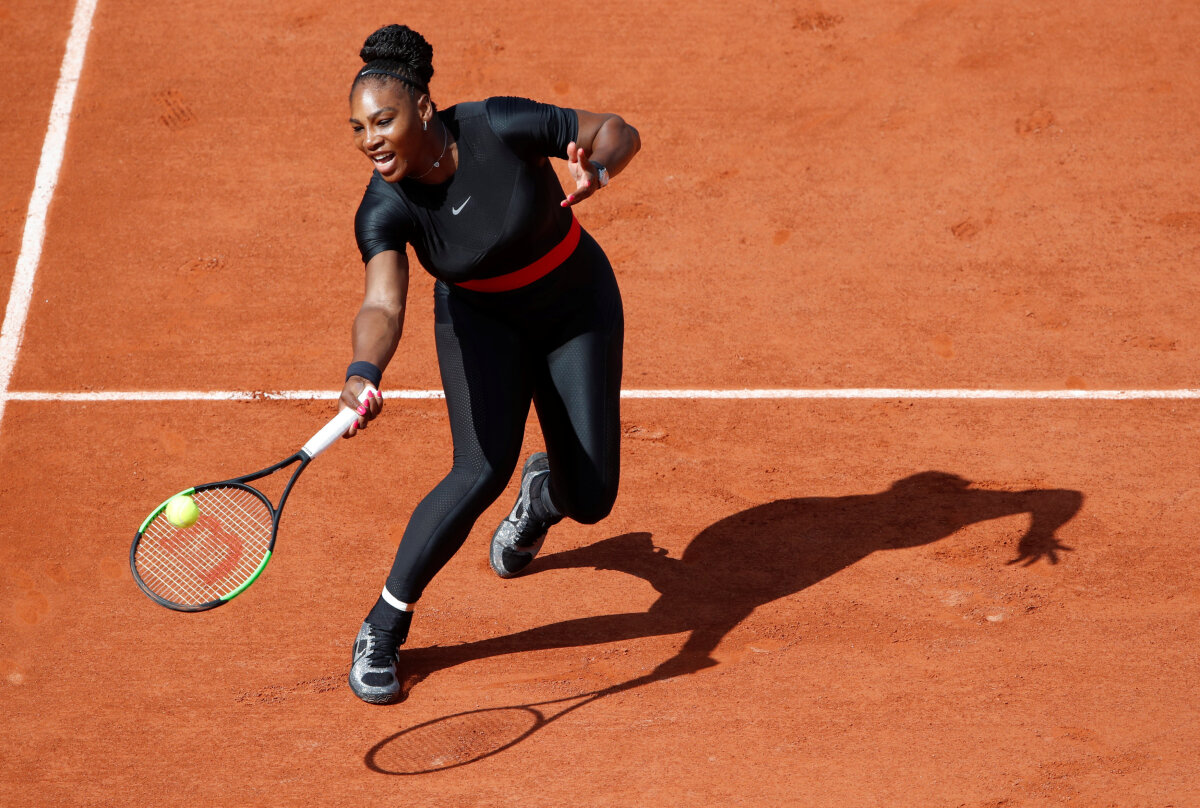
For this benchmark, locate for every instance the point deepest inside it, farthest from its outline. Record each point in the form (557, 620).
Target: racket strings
(222, 550)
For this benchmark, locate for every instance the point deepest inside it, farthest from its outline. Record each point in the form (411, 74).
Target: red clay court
(911, 295)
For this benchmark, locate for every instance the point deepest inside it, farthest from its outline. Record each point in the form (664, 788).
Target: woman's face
(387, 128)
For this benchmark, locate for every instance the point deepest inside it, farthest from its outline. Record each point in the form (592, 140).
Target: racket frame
(318, 443)
(239, 483)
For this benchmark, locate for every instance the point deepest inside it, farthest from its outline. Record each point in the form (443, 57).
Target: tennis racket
(211, 562)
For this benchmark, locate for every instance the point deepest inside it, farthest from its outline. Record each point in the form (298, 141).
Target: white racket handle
(336, 427)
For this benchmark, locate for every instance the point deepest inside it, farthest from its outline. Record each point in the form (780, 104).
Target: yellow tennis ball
(182, 511)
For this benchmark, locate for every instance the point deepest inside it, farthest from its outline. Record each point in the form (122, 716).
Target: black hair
(396, 53)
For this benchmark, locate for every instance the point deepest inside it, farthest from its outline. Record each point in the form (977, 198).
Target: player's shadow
(757, 556)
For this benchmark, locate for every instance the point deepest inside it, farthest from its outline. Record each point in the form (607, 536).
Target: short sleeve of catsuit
(382, 222)
(532, 129)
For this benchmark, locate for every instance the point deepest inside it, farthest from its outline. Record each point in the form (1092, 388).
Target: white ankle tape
(396, 602)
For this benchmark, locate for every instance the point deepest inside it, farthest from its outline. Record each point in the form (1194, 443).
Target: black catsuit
(556, 342)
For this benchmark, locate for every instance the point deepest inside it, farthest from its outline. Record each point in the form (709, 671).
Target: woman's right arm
(377, 328)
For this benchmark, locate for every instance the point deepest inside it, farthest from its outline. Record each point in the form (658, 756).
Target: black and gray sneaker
(520, 536)
(373, 672)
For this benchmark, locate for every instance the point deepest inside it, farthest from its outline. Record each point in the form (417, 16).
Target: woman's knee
(591, 506)
(480, 485)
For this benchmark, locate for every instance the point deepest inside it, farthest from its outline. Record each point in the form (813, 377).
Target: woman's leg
(577, 392)
(578, 398)
(488, 392)
(487, 388)
(576, 356)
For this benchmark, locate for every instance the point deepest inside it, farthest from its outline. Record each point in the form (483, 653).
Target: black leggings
(557, 343)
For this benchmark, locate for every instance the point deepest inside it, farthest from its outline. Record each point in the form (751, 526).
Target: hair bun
(402, 46)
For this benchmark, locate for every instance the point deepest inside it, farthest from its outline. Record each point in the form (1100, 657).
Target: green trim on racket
(213, 560)
(161, 508)
(253, 577)
(201, 566)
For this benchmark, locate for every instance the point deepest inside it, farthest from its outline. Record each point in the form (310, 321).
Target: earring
(424, 126)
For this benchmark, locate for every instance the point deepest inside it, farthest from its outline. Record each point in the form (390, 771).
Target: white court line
(17, 311)
(740, 395)
(53, 147)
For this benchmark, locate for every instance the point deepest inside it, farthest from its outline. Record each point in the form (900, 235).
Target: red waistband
(538, 269)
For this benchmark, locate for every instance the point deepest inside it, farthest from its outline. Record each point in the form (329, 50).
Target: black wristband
(366, 370)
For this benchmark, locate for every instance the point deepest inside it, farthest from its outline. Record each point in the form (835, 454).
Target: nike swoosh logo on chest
(458, 210)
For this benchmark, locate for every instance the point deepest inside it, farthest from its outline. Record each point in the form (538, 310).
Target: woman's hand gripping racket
(209, 563)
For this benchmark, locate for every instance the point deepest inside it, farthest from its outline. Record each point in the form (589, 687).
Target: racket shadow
(728, 570)
(451, 741)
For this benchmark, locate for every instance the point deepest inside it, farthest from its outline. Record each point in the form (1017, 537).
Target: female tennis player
(526, 310)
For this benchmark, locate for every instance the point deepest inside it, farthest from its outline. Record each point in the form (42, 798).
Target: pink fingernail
(362, 410)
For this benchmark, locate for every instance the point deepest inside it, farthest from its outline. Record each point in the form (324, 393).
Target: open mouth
(385, 162)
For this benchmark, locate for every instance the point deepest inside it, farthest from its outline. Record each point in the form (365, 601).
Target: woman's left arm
(605, 140)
